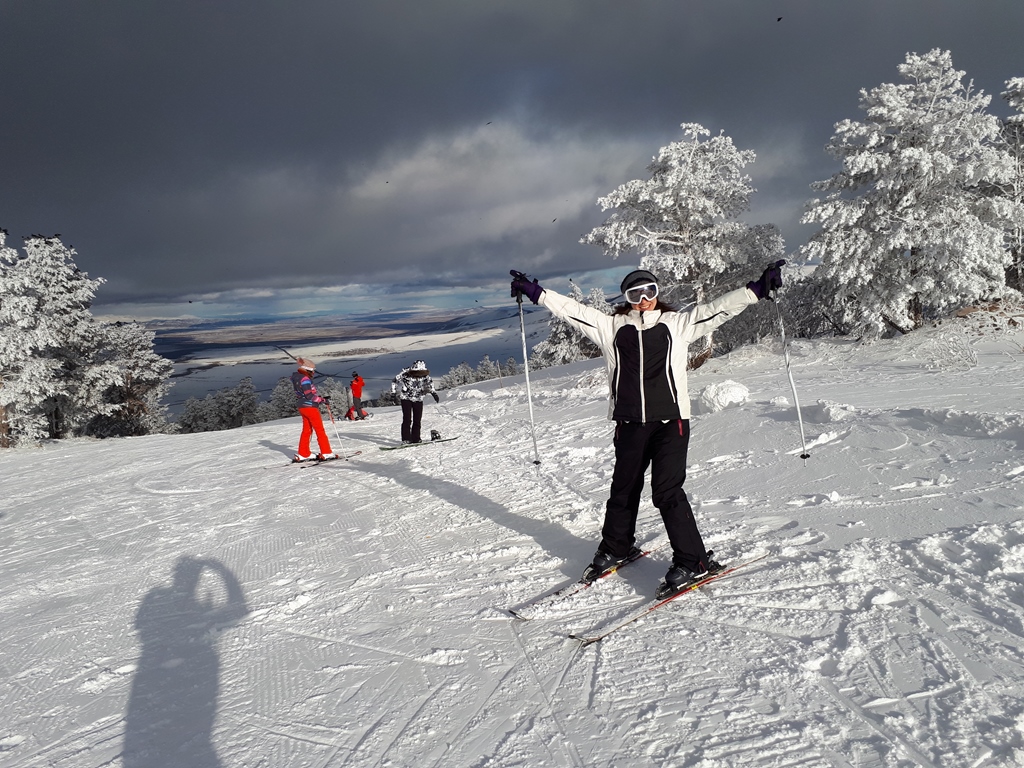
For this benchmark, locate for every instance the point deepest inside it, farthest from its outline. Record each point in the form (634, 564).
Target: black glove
(436, 398)
(521, 284)
(770, 280)
(326, 399)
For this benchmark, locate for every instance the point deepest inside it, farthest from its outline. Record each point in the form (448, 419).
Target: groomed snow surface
(193, 600)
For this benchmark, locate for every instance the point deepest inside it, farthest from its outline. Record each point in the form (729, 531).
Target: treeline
(240, 406)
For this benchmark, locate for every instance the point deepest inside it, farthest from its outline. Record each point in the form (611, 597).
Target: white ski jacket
(645, 353)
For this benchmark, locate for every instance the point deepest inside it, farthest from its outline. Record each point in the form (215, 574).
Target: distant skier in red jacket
(356, 412)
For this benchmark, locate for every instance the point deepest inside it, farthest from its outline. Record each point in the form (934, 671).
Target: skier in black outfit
(644, 343)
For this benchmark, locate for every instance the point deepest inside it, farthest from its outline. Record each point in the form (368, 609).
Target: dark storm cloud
(186, 148)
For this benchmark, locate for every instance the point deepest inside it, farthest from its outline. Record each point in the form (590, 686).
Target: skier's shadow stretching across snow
(173, 699)
(552, 537)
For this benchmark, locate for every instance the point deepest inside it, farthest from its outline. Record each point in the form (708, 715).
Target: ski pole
(526, 370)
(329, 413)
(789, 370)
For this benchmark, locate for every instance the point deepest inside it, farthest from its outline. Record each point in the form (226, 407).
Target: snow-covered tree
(486, 369)
(907, 228)
(282, 403)
(226, 408)
(564, 344)
(1013, 135)
(60, 368)
(462, 373)
(142, 380)
(338, 392)
(683, 219)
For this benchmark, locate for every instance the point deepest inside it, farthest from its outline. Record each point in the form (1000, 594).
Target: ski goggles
(638, 293)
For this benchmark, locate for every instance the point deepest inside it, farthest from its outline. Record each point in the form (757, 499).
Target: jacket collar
(644, 319)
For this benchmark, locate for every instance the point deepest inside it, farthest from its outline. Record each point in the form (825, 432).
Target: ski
(563, 594)
(316, 463)
(414, 445)
(585, 640)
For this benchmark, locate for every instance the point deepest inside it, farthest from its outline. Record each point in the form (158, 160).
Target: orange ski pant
(311, 422)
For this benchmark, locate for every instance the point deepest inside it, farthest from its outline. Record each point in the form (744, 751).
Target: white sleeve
(592, 323)
(704, 318)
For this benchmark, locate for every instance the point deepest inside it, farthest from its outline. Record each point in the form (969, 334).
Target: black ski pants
(662, 447)
(412, 414)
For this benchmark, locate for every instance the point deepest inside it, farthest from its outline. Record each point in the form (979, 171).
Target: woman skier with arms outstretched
(645, 343)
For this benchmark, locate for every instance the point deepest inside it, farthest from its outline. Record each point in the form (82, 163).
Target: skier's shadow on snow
(286, 450)
(553, 538)
(173, 701)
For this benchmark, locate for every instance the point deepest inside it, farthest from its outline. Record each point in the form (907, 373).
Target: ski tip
(511, 612)
(584, 641)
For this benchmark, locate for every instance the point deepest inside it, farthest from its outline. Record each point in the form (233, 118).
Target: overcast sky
(263, 157)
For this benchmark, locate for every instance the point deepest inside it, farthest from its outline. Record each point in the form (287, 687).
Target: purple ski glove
(770, 280)
(521, 284)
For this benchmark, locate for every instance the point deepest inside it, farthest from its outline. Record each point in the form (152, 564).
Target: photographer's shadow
(173, 702)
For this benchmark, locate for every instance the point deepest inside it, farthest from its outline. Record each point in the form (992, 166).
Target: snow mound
(717, 397)
(966, 423)
(826, 412)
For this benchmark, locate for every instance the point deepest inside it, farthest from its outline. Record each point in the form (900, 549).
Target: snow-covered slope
(197, 596)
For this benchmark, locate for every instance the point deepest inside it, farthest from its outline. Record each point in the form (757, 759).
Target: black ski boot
(603, 563)
(679, 577)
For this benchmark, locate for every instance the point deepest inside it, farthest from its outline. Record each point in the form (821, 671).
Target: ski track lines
(372, 638)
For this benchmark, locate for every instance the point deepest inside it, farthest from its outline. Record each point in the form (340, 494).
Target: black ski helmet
(636, 277)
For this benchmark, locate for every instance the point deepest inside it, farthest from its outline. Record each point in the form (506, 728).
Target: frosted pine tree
(461, 374)
(282, 403)
(598, 300)
(683, 219)
(141, 381)
(50, 388)
(18, 335)
(62, 372)
(907, 229)
(226, 408)
(564, 344)
(487, 369)
(1013, 135)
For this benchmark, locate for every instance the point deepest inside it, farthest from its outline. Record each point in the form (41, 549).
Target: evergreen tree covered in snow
(907, 228)
(61, 370)
(488, 369)
(683, 219)
(564, 344)
(282, 403)
(457, 376)
(226, 408)
(1013, 135)
(142, 380)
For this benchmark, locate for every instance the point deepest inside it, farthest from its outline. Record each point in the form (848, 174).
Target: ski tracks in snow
(372, 635)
